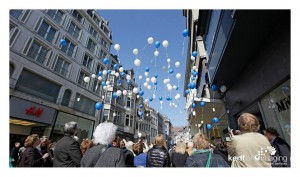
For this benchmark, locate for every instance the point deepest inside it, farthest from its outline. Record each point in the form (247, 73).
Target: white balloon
(124, 92)
(137, 96)
(147, 80)
(135, 90)
(135, 51)
(121, 69)
(153, 79)
(140, 77)
(117, 47)
(168, 80)
(165, 81)
(87, 79)
(146, 84)
(139, 135)
(146, 74)
(192, 58)
(149, 87)
(119, 92)
(150, 40)
(93, 76)
(128, 77)
(164, 68)
(174, 87)
(117, 74)
(104, 72)
(165, 43)
(156, 53)
(107, 83)
(161, 102)
(175, 106)
(137, 62)
(223, 88)
(168, 60)
(178, 76)
(194, 67)
(146, 101)
(105, 87)
(177, 64)
(170, 87)
(99, 78)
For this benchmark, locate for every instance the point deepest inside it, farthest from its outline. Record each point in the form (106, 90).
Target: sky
(131, 29)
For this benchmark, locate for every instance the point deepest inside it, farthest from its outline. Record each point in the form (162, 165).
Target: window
(47, 31)
(136, 125)
(108, 96)
(77, 16)
(93, 31)
(105, 115)
(80, 80)
(127, 120)
(111, 79)
(85, 105)
(41, 87)
(69, 48)
(106, 31)
(37, 52)
(112, 64)
(98, 68)
(102, 55)
(62, 66)
(66, 98)
(132, 103)
(13, 32)
(87, 61)
(117, 118)
(74, 30)
(91, 45)
(104, 43)
(57, 15)
(128, 102)
(16, 13)
(96, 85)
(131, 121)
(93, 16)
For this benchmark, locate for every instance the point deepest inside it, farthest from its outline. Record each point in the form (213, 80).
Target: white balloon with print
(177, 64)
(117, 47)
(178, 76)
(156, 53)
(137, 62)
(153, 79)
(140, 77)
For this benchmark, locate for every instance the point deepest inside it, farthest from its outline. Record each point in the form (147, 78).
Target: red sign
(35, 112)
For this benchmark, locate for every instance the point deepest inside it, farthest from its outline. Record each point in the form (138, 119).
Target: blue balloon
(105, 61)
(103, 84)
(99, 105)
(192, 85)
(141, 93)
(157, 44)
(128, 82)
(209, 126)
(141, 113)
(170, 99)
(109, 72)
(141, 106)
(116, 66)
(202, 104)
(194, 54)
(115, 95)
(63, 42)
(171, 71)
(193, 78)
(194, 73)
(214, 87)
(155, 75)
(160, 98)
(215, 120)
(185, 33)
(100, 73)
(150, 99)
(119, 81)
(155, 83)
(187, 92)
(147, 69)
(123, 74)
(194, 105)
(177, 87)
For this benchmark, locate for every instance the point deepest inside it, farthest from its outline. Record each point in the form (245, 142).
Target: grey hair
(70, 128)
(105, 133)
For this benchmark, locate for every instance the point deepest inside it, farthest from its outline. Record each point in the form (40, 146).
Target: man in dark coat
(67, 151)
(281, 153)
(128, 155)
(14, 154)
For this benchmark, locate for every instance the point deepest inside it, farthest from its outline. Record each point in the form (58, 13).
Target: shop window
(66, 97)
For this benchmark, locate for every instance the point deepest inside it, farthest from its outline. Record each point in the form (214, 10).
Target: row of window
(142, 126)
(117, 119)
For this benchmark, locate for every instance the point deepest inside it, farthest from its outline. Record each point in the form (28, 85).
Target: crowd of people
(107, 149)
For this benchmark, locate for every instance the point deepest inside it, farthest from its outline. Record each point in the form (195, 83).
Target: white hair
(190, 144)
(105, 133)
(128, 145)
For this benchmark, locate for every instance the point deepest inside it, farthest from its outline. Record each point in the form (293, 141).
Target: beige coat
(249, 150)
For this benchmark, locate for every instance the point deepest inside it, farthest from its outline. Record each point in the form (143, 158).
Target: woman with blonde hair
(31, 156)
(203, 156)
(158, 156)
(180, 155)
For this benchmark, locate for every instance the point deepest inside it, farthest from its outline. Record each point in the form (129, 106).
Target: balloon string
(143, 51)
(167, 52)
(182, 46)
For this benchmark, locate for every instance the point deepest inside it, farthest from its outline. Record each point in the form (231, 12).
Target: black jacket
(283, 153)
(178, 160)
(67, 153)
(128, 157)
(158, 156)
(31, 158)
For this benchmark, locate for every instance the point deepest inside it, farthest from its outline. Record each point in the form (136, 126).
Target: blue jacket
(200, 160)
(140, 160)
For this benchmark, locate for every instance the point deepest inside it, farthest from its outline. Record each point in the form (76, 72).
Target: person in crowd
(180, 155)
(45, 148)
(141, 156)
(67, 151)
(190, 146)
(85, 145)
(31, 156)
(158, 156)
(281, 158)
(172, 149)
(100, 155)
(128, 155)
(42, 140)
(116, 142)
(129, 146)
(248, 148)
(14, 154)
(221, 149)
(203, 156)
(145, 146)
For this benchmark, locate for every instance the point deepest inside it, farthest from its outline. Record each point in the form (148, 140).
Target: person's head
(190, 144)
(200, 141)
(85, 145)
(180, 147)
(270, 133)
(122, 144)
(104, 133)
(248, 123)
(70, 128)
(160, 140)
(129, 145)
(17, 144)
(116, 142)
(32, 141)
(138, 148)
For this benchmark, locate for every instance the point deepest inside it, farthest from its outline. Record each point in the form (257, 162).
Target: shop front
(27, 118)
